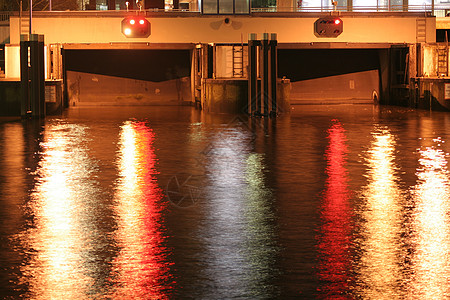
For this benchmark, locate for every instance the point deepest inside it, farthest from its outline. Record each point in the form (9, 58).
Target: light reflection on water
(430, 225)
(141, 269)
(57, 241)
(334, 241)
(238, 237)
(328, 202)
(379, 269)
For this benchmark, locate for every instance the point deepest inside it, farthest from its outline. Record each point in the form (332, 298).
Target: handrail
(4, 15)
(438, 10)
(329, 8)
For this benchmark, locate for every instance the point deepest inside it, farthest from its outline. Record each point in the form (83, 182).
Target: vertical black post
(24, 76)
(273, 72)
(41, 75)
(265, 73)
(210, 64)
(34, 77)
(30, 28)
(37, 96)
(64, 76)
(112, 4)
(252, 73)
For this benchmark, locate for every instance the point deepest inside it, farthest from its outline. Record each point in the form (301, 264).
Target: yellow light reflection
(141, 268)
(56, 242)
(379, 269)
(430, 224)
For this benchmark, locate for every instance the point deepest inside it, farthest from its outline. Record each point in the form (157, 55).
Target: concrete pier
(11, 97)
(430, 93)
(231, 95)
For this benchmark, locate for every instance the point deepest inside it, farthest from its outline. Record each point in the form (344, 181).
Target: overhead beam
(130, 46)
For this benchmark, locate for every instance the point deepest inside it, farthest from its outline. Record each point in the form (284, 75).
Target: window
(225, 7)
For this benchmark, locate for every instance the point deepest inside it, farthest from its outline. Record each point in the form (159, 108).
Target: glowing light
(430, 226)
(132, 21)
(380, 230)
(127, 31)
(141, 22)
(141, 265)
(57, 269)
(334, 240)
(337, 21)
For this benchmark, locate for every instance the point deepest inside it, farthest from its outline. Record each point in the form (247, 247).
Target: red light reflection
(335, 212)
(142, 268)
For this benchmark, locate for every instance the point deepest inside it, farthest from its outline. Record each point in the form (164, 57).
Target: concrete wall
(52, 66)
(430, 59)
(443, 23)
(349, 88)
(430, 93)
(12, 62)
(231, 96)
(10, 97)
(90, 27)
(225, 96)
(224, 62)
(86, 89)
(4, 32)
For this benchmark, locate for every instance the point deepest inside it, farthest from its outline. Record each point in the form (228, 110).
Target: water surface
(338, 201)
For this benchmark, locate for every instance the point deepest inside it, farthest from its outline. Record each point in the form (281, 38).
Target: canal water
(344, 201)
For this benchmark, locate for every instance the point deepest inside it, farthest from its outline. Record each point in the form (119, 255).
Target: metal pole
(50, 5)
(31, 15)
(252, 73)
(24, 76)
(265, 73)
(273, 72)
(20, 18)
(37, 95)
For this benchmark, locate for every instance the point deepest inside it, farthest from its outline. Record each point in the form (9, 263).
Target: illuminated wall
(79, 28)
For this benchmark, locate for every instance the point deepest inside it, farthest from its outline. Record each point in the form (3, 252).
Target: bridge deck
(83, 27)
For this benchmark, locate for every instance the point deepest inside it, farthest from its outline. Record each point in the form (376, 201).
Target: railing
(438, 10)
(4, 16)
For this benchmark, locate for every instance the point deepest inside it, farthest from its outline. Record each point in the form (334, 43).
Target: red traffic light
(136, 27)
(328, 27)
